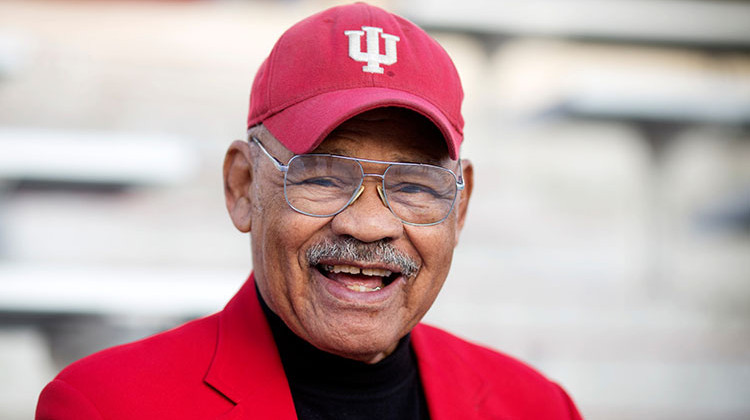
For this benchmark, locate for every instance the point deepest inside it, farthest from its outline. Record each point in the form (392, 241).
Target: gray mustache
(367, 252)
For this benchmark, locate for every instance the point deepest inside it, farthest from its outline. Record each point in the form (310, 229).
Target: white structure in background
(553, 263)
(95, 157)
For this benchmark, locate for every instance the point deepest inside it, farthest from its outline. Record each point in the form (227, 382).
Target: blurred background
(608, 240)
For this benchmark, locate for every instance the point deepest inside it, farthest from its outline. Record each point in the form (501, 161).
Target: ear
(238, 179)
(465, 195)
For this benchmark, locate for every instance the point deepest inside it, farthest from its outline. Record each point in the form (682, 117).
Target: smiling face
(355, 283)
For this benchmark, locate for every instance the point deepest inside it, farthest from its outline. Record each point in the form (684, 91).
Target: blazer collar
(246, 367)
(454, 389)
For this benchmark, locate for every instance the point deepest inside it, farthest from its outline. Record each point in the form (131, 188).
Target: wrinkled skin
(364, 326)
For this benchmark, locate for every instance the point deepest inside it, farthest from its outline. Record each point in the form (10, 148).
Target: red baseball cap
(347, 60)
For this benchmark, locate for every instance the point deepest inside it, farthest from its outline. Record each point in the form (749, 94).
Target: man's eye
(321, 182)
(408, 188)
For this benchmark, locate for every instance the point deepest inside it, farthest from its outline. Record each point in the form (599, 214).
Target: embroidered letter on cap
(372, 57)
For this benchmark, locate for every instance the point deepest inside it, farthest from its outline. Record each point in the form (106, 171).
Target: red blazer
(226, 366)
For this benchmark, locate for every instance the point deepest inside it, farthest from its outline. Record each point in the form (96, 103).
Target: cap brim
(303, 126)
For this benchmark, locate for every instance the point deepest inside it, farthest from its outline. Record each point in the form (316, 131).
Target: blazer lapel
(246, 367)
(454, 389)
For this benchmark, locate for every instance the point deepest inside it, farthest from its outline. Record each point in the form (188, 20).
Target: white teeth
(362, 288)
(376, 272)
(345, 269)
(356, 270)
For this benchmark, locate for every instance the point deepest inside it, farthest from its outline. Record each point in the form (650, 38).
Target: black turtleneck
(326, 386)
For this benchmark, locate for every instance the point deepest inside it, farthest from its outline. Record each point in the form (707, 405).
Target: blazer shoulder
(509, 385)
(482, 357)
(163, 373)
(61, 401)
(181, 346)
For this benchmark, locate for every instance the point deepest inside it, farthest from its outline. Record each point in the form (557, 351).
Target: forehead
(391, 134)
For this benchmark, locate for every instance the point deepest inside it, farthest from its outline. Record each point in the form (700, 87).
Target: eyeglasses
(323, 185)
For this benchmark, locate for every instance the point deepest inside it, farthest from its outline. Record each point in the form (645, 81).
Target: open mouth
(358, 279)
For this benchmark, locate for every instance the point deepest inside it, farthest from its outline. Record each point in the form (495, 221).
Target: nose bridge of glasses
(379, 188)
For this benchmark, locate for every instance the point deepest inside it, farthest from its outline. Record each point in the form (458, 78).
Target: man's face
(345, 305)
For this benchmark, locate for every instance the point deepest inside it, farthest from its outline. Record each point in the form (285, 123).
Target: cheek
(434, 244)
(279, 258)
(284, 237)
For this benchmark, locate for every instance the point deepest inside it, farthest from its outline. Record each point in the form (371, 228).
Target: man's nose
(368, 217)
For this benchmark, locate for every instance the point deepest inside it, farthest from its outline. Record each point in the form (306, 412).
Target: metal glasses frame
(360, 188)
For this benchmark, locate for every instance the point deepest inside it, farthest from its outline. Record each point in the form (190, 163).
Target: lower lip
(340, 292)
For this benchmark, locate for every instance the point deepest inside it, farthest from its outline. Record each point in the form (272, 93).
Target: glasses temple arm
(280, 166)
(460, 182)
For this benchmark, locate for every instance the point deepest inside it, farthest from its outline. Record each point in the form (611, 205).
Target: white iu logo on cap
(372, 57)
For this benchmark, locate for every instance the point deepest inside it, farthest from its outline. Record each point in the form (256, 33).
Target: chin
(369, 346)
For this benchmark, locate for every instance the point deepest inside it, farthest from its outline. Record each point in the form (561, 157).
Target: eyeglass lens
(324, 185)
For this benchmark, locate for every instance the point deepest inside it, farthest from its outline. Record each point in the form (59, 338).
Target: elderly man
(353, 191)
